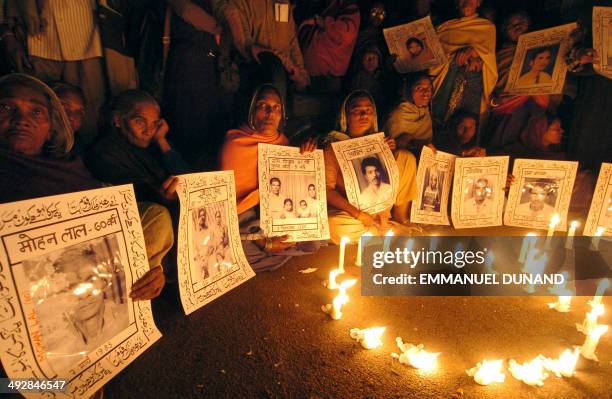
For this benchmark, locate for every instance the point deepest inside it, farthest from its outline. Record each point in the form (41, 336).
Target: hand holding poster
(292, 194)
(478, 191)
(539, 62)
(602, 40)
(415, 45)
(540, 189)
(67, 264)
(434, 177)
(210, 257)
(600, 214)
(371, 176)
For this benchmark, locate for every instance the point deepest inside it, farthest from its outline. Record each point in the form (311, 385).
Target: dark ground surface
(269, 338)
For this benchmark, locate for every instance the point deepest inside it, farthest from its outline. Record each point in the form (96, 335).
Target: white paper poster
(416, 46)
(370, 173)
(602, 40)
(210, 258)
(539, 62)
(540, 189)
(478, 191)
(67, 264)
(434, 177)
(600, 214)
(292, 194)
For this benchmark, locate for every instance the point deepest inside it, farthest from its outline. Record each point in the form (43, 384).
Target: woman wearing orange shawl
(239, 153)
(467, 79)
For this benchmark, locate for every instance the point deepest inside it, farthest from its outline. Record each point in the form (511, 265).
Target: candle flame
(345, 240)
(600, 230)
(370, 338)
(531, 373)
(416, 356)
(574, 224)
(331, 283)
(554, 220)
(389, 233)
(565, 365)
(590, 343)
(487, 372)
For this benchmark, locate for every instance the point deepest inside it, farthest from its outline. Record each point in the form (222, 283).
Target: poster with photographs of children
(478, 191)
(602, 40)
(67, 264)
(210, 258)
(434, 177)
(292, 194)
(370, 174)
(415, 45)
(600, 213)
(540, 189)
(539, 66)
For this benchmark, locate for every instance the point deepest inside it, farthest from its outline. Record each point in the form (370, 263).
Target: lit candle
(534, 266)
(569, 241)
(565, 296)
(487, 372)
(596, 237)
(370, 338)
(601, 288)
(331, 282)
(489, 262)
(362, 241)
(416, 356)
(590, 321)
(565, 365)
(531, 373)
(387, 242)
(592, 339)
(335, 309)
(343, 242)
(554, 221)
(528, 243)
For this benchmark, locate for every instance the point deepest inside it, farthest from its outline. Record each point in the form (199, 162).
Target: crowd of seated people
(229, 70)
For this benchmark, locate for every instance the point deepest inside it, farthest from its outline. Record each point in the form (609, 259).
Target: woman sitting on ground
(357, 118)
(265, 120)
(135, 150)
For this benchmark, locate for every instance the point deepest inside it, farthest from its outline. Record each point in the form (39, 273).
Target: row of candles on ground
(486, 372)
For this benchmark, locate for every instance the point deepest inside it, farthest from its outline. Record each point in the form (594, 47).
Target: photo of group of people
(212, 254)
(373, 180)
(414, 45)
(79, 296)
(293, 202)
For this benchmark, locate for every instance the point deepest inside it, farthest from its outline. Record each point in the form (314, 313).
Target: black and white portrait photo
(538, 66)
(80, 298)
(373, 180)
(479, 199)
(432, 190)
(539, 197)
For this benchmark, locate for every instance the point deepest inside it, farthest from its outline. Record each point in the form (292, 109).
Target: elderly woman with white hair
(35, 140)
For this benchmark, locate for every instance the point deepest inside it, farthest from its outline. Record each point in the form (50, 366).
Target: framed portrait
(416, 46)
(600, 213)
(540, 189)
(478, 191)
(292, 194)
(602, 40)
(210, 258)
(67, 264)
(434, 177)
(371, 176)
(538, 66)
